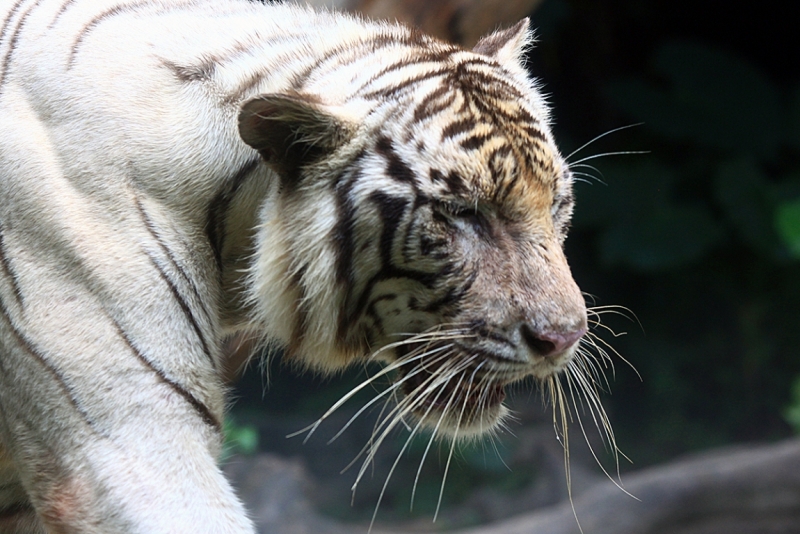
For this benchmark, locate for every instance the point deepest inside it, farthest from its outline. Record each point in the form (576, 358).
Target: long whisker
(596, 138)
(605, 154)
(414, 356)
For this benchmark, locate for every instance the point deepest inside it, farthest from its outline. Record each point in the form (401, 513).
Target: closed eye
(459, 214)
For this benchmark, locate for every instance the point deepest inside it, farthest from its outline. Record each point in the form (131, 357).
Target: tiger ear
(507, 46)
(291, 130)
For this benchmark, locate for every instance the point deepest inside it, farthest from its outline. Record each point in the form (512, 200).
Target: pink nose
(548, 343)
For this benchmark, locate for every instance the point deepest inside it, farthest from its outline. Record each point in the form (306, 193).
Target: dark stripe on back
(8, 270)
(217, 217)
(40, 358)
(12, 43)
(151, 228)
(185, 308)
(111, 13)
(61, 11)
(201, 409)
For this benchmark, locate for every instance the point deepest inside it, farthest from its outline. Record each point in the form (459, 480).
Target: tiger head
(421, 222)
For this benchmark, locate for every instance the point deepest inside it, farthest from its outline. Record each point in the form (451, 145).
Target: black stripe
(405, 84)
(93, 23)
(113, 12)
(191, 73)
(216, 220)
(300, 326)
(7, 21)
(474, 142)
(12, 43)
(455, 183)
(396, 168)
(185, 308)
(417, 57)
(392, 211)
(28, 347)
(345, 226)
(460, 126)
(151, 228)
(7, 269)
(433, 103)
(61, 11)
(356, 52)
(10, 510)
(353, 49)
(201, 409)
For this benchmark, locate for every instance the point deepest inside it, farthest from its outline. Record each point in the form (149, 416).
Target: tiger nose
(547, 343)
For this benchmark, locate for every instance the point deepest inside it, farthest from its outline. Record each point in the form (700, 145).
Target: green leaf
(239, 439)
(671, 237)
(792, 413)
(787, 223)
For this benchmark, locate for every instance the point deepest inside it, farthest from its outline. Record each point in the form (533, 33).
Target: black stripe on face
(201, 409)
(345, 226)
(217, 217)
(458, 127)
(396, 168)
(12, 42)
(185, 308)
(50, 369)
(8, 270)
(392, 212)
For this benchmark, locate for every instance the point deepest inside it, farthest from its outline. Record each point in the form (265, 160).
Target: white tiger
(173, 172)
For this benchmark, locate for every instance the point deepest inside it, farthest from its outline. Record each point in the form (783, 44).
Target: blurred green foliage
(239, 438)
(793, 410)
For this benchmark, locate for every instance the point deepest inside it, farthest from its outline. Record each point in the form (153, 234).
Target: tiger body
(174, 172)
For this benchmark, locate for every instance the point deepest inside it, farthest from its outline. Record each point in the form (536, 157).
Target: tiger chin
(178, 172)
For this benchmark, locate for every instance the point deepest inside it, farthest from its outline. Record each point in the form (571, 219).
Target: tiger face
(446, 211)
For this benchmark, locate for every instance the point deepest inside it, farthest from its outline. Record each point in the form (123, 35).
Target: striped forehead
(484, 141)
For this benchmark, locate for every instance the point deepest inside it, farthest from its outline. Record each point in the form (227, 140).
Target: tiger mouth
(464, 394)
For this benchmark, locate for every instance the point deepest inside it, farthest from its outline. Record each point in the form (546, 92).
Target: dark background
(699, 238)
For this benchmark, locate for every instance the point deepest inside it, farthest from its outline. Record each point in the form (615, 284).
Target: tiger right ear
(291, 131)
(507, 46)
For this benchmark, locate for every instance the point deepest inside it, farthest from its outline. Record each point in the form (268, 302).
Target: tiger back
(174, 172)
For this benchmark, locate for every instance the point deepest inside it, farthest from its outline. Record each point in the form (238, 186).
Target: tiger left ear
(291, 131)
(507, 46)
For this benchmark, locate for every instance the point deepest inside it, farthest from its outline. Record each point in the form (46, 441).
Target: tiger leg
(106, 437)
